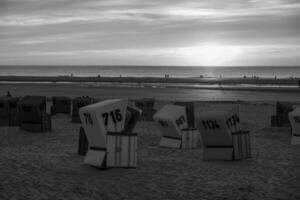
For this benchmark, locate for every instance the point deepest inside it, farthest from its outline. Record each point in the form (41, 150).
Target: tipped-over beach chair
(294, 118)
(32, 114)
(108, 129)
(77, 103)
(147, 107)
(61, 104)
(173, 124)
(9, 111)
(222, 136)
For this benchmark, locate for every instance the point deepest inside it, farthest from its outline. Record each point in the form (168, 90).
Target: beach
(47, 166)
(179, 91)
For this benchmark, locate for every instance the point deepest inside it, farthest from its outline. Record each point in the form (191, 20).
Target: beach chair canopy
(7, 104)
(171, 119)
(294, 118)
(32, 108)
(99, 118)
(189, 106)
(283, 108)
(33, 101)
(82, 101)
(145, 103)
(61, 100)
(217, 125)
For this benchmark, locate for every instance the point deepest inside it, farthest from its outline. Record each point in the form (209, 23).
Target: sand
(160, 93)
(46, 166)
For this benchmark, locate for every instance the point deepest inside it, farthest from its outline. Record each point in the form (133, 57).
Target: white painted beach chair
(294, 118)
(108, 144)
(172, 122)
(222, 136)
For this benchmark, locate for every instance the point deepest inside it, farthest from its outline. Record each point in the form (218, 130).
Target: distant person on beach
(8, 94)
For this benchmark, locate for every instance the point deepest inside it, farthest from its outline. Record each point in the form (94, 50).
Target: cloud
(145, 28)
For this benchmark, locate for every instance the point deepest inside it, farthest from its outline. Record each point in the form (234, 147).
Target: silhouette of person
(8, 94)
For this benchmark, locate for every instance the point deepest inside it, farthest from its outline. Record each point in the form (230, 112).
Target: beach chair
(190, 135)
(222, 136)
(146, 105)
(281, 118)
(33, 115)
(77, 103)
(9, 111)
(294, 118)
(171, 120)
(111, 142)
(61, 104)
(132, 116)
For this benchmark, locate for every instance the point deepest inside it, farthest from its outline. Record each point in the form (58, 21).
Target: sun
(211, 55)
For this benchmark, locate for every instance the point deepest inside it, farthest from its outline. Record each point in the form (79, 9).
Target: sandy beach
(158, 92)
(46, 166)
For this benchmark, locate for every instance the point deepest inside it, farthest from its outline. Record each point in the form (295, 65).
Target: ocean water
(151, 71)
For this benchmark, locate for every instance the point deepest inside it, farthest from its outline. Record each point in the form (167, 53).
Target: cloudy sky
(150, 32)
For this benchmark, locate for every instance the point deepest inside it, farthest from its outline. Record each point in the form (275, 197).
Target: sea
(151, 71)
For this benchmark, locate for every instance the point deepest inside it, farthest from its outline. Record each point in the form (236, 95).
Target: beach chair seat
(32, 114)
(110, 140)
(190, 138)
(294, 118)
(147, 107)
(222, 136)
(77, 103)
(9, 111)
(61, 104)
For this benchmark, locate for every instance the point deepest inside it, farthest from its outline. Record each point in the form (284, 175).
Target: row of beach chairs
(106, 136)
(29, 112)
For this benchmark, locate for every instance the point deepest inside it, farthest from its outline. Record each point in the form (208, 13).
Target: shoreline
(140, 80)
(162, 93)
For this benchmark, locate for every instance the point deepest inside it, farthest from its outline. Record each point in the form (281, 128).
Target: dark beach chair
(222, 136)
(9, 111)
(147, 107)
(61, 104)
(32, 114)
(281, 119)
(77, 103)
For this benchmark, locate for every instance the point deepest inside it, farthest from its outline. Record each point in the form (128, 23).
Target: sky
(150, 32)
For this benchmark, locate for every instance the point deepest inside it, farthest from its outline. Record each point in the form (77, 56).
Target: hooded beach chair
(111, 142)
(281, 118)
(147, 107)
(32, 114)
(9, 111)
(222, 136)
(171, 120)
(294, 118)
(77, 103)
(61, 104)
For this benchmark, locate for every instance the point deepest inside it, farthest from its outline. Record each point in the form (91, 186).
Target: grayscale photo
(160, 99)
